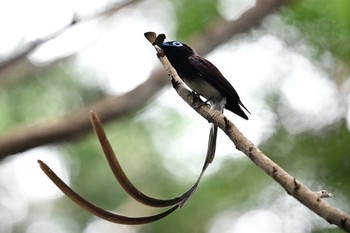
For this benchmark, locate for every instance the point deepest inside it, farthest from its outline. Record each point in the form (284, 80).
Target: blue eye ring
(177, 44)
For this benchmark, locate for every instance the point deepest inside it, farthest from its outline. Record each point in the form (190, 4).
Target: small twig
(293, 187)
(323, 194)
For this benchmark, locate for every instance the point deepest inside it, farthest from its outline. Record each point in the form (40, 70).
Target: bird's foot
(196, 97)
(198, 101)
(206, 103)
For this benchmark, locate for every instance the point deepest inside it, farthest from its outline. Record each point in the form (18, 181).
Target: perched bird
(207, 81)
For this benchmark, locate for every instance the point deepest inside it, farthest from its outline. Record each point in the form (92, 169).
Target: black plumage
(202, 76)
(207, 81)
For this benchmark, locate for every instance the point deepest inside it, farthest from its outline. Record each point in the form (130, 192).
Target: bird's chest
(202, 87)
(194, 80)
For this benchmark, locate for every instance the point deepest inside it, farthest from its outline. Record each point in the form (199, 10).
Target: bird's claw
(197, 100)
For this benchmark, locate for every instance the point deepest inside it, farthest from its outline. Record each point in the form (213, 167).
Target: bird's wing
(212, 75)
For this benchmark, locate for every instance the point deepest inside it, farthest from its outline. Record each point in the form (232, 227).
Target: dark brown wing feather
(212, 75)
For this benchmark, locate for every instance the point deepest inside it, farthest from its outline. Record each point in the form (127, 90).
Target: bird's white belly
(203, 88)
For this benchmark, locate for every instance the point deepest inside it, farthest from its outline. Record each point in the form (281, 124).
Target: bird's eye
(177, 44)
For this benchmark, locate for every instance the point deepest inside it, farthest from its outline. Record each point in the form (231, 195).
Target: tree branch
(295, 188)
(219, 32)
(19, 57)
(77, 123)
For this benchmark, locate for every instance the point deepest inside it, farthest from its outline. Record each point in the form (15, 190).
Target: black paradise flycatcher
(204, 79)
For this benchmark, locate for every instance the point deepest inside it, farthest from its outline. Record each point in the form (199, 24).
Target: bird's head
(176, 49)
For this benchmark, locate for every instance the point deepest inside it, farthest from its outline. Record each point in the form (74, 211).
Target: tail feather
(211, 145)
(236, 108)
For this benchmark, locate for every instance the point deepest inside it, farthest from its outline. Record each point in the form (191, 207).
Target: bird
(207, 81)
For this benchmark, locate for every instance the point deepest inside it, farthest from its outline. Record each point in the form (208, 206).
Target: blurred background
(288, 60)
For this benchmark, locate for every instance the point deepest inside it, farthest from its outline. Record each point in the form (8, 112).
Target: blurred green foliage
(326, 153)
(47, 94)
(326, 24)
(193, 17)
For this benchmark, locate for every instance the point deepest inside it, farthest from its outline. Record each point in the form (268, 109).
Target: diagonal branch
(77, 124)
(20, 56)
(293, 187)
